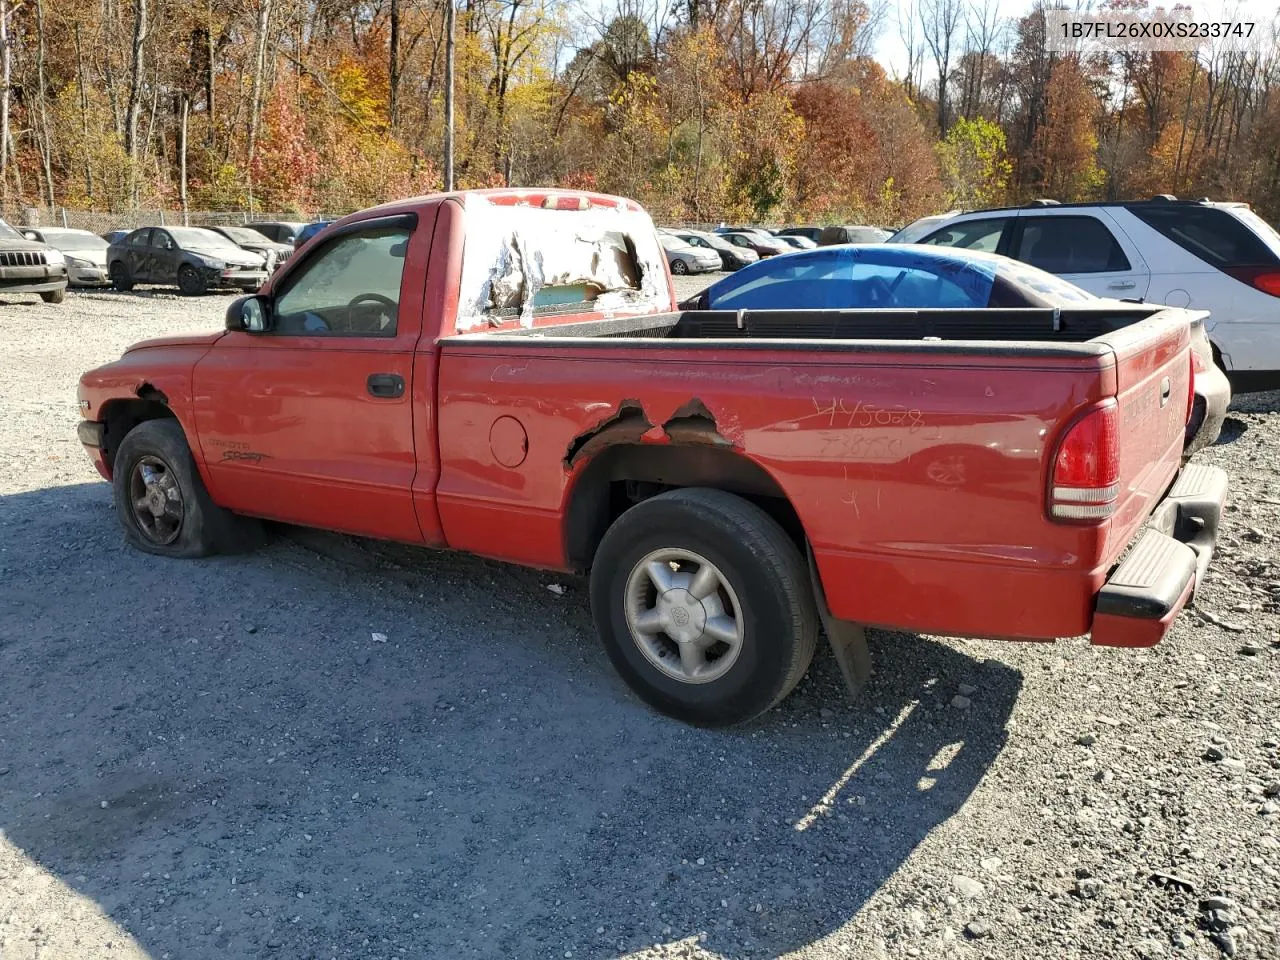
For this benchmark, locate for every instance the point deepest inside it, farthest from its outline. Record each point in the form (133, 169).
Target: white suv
(1220, 257)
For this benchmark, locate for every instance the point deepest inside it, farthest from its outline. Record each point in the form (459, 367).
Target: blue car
(884, 277)
(309, 231)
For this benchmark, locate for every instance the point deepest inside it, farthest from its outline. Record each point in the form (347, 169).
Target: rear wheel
(121, 279)
(54, 296)
(162, 503)
(703, 604)
(191, 281)
(679, 266)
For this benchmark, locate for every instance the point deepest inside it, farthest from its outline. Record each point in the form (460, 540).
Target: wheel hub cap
(683, 615)
(156, 500)
(686, 616)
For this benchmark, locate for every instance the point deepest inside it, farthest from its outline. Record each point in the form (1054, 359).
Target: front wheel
(679, 267)
(704, 606)
(54, 296)
(191, 281)
(121, 279)
(162, 503)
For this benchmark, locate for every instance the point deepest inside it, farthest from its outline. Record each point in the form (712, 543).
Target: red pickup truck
(504, 373)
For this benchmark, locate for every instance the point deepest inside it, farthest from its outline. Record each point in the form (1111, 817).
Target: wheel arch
(624, 473)
(119, 416)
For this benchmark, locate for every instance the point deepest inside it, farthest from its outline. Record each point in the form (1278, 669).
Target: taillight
(1266, 279)
(1086, 469)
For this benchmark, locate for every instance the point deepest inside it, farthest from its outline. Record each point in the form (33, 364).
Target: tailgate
(1153, 391)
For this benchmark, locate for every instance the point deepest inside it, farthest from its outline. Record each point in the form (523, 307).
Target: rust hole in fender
(694, 423)
(625, 425)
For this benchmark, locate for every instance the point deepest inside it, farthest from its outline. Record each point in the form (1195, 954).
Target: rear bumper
(1158, 577)
(1213, 396)
(1254, 381)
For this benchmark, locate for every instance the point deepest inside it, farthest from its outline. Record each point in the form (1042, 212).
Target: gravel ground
(219, 759)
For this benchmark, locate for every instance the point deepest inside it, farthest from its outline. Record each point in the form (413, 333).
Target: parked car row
(1214, 256)
(46, 260)
(739, 246)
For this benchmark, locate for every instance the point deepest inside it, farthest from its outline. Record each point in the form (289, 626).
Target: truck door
(1087, 249)
(311, 421)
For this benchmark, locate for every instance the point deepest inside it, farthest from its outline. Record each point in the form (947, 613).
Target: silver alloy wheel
(156, 500)
(684, 615)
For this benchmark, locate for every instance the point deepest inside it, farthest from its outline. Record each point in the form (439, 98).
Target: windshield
(8, 233)
(195, 237)
(671, 243)
(74, 240)
(1046, 284)
(245, 235)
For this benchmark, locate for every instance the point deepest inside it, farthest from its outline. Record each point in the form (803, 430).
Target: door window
(982, 235)
(138, 239)
(161, 240)
(1070, 245)
(350, 288)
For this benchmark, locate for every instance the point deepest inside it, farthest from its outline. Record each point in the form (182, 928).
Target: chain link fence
(97, 221)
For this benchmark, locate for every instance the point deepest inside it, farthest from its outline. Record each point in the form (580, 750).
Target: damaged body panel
(521, 258)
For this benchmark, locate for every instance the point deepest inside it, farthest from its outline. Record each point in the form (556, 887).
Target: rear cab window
(1218, 237)
(521, 261)
(1069, 244)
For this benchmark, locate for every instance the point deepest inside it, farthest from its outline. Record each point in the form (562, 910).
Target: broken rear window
(521, 261)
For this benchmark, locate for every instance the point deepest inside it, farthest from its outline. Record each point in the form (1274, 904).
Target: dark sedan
(731, 257)
(764, 246)
(809, 233)
(193, 258)
(247, 238)
(281, 231)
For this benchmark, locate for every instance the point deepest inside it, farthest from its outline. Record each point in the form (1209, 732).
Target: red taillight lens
(1266, 279)
(1086, 470)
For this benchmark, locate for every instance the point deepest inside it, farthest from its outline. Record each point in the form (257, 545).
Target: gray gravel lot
(216, 759)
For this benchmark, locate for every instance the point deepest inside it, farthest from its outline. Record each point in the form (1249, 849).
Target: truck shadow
(231, 760)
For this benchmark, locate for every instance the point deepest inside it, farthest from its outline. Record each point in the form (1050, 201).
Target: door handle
(385, 385)
(1122, 285)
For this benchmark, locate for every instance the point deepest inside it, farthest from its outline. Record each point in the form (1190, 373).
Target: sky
(892, 54)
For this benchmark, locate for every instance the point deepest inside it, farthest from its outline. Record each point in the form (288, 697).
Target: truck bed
(915, 447)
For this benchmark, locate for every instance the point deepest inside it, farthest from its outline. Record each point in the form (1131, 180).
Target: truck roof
(549, 197)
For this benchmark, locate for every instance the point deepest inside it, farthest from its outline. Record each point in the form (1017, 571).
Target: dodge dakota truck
(505, 373)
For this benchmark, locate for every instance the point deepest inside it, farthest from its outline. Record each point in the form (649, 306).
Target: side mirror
(248, 314)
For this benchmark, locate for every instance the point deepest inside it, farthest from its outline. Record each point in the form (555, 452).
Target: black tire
(54, 296)
(191, 281)
(203, 527)
(679, 267)
(121, 279)
(766, 572)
